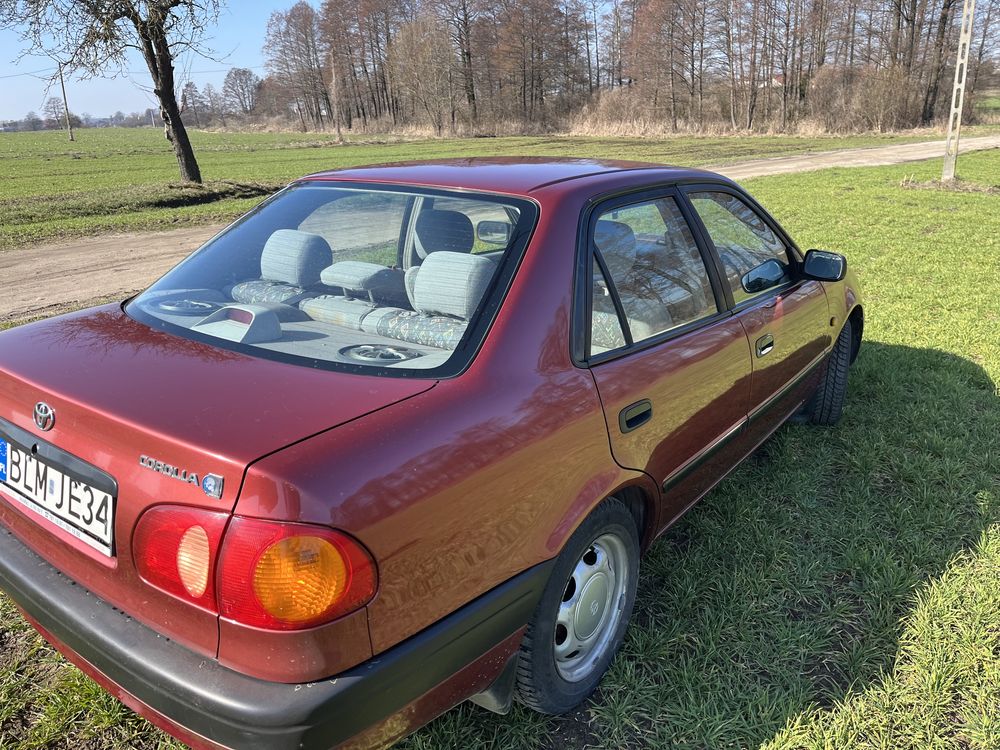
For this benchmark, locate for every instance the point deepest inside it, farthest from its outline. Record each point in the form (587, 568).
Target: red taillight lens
(291, 576)
(175, 547)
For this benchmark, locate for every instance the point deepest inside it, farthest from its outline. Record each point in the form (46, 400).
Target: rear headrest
(616, 241)
(451, 284)
(294, 257)
(358, 278)
(448, 231)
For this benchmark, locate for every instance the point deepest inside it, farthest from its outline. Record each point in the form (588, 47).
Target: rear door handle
(764, 345)
(635, 415)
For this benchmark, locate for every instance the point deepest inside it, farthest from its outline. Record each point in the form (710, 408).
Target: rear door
(671, 364)
(786, 320)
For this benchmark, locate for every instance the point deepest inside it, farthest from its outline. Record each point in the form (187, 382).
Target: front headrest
(294, 257)
(616, 241)
(451, 284)
(448, 231)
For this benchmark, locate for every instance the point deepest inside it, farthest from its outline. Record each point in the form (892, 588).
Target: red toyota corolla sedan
(398, 437)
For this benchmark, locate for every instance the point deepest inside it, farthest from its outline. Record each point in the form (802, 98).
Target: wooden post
(62, 84)
(958, 93)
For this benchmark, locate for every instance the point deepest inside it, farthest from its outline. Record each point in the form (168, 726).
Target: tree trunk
(937, 66)
(156, 52)
(176, 133)
(335, 87)
(468, 79)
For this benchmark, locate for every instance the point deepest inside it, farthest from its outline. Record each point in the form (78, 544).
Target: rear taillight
(271, 575)
(175, 547)
(291, 576)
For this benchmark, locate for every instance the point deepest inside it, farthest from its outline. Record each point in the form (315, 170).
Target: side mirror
(823, 265)
(767, 274)
(493, 232)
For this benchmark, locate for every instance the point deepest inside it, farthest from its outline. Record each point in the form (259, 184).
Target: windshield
(348, 276)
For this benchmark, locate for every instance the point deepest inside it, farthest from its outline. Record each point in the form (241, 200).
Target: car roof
(519, 175)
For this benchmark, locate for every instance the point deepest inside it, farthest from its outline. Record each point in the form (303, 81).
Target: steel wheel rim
(591, 609)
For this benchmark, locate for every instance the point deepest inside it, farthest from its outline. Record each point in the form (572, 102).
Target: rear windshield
(386, 281)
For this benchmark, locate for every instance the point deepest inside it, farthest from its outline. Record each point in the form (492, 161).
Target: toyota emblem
(45, 416)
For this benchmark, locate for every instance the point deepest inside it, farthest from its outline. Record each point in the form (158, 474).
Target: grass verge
(840, 590)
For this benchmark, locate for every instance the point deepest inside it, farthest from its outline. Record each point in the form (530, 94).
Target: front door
(786, 318)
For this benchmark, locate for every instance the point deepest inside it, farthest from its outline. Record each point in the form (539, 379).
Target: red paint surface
(454, 487)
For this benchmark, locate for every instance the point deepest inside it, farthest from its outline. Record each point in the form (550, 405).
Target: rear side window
(656, 274)
(605, 327)
(741, 237)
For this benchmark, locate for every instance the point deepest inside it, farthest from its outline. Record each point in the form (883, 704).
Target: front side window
(753, 256)
(326, 275)
(656, 270)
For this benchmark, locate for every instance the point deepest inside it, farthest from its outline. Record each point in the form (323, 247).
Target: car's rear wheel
(827, 403)
(583, 613)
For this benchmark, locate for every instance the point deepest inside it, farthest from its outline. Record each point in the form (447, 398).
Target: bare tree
(215, 103)
(192, 101)
(240, 90)
(295, 58)
(54, 112)
(422, 62)
(32, 121)
(460, 16)
(93, 35)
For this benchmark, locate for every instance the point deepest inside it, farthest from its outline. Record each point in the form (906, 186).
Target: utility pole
(62, 84)
(958, 94)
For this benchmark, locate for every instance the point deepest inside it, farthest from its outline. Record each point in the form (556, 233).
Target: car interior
(406, 301)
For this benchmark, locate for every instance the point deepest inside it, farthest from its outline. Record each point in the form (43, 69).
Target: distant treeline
(492, 66)
(478, 66)
(52, 117)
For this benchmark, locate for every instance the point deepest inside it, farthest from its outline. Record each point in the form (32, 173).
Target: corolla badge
(211, 484)
(45, 416)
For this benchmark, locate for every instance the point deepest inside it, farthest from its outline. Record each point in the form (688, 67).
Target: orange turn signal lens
(291, 576)
(299, 578)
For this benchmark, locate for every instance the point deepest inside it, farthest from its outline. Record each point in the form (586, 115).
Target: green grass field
(126, 179)
(989, 102)
(840, 590)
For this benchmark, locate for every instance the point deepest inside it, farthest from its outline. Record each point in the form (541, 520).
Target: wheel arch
(635, 489)
(857, 320)
(643, 508)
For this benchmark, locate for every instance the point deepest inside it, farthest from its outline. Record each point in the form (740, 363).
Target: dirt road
(45, 279)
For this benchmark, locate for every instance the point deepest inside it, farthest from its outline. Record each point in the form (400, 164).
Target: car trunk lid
(158, 413)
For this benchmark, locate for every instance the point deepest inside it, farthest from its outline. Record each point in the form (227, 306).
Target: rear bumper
(224, 708)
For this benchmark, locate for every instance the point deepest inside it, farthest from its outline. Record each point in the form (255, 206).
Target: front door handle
(764, 345)
(635, 415)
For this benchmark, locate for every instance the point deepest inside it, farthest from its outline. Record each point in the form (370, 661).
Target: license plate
(74, 506)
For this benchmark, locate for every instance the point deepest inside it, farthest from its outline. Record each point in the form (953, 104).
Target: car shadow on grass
(787, 588)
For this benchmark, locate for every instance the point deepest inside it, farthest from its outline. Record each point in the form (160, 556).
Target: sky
(235, 41)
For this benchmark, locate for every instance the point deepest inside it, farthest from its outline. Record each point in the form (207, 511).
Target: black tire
(540, 683)
(827, 403)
